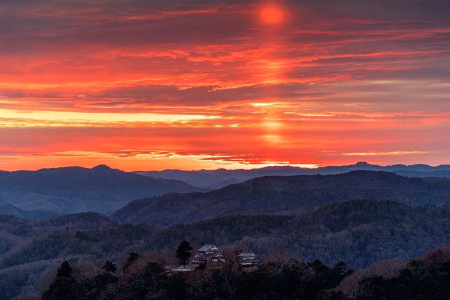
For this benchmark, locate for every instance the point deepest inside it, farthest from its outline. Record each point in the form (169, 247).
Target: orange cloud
(182, 85)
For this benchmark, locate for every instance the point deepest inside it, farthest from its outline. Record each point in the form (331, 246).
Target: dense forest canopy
(359, 232)
(275, 279)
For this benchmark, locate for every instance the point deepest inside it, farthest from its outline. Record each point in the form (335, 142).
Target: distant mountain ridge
(213, 179)
(8, 209)
(77, 189)
(49, 192)
(284, 194)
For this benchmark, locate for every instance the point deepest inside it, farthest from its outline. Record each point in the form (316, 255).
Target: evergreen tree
(64, 286)
(109, 267)
(64, 270)
(183, 252)
(133, 256)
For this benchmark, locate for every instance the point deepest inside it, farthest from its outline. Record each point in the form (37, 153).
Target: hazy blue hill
(284, 194)
(99, 183)
(8, 209)
(214, 179)
(76, 189)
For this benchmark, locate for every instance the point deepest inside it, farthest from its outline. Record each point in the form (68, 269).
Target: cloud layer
(207, 84)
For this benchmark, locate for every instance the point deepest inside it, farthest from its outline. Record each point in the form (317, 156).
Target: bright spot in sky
(262, 104)
(271, 15)
(272, 124)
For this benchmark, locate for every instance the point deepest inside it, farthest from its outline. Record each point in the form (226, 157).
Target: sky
(176, 84)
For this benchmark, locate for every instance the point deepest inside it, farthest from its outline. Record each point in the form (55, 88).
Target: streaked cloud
(18, 118)
(190, 84)
(387, 153)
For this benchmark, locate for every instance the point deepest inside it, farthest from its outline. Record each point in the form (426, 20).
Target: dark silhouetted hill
(76, 189)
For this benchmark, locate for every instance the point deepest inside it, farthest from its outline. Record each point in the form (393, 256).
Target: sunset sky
(151, 85)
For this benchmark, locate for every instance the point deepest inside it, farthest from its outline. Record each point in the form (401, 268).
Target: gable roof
(200, 255)
(247, 254)
(208, 247)
(216, 255)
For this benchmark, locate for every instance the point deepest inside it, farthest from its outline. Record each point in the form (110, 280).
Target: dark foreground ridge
(425, 278)
(357, 232)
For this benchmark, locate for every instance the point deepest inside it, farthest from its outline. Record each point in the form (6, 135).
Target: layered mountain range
(49, 192)
(284, 194)
(214, 179)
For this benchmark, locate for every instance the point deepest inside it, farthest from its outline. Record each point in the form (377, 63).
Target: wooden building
(208, 255)
(247, 259)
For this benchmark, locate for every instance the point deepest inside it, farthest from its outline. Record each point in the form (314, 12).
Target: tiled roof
(207, 247)
(217, 255)
(246, 254)
(200, 255)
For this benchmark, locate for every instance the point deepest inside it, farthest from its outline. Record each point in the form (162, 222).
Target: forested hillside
(357, 232)
(284, 194)
(424, 278)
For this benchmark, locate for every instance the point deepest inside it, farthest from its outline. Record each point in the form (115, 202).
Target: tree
(183, 252)
(109, 267)
(64, 270)
(133, 256)
(64, 286)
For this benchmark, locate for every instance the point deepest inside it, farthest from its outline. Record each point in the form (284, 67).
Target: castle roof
(208, 248)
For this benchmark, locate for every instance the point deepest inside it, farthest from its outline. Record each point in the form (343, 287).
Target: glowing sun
(271, 15)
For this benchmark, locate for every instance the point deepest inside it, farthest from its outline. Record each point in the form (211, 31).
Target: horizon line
(297, 166)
